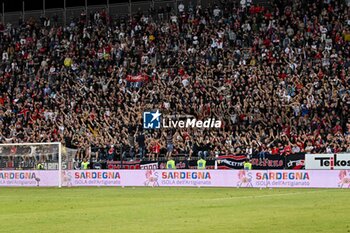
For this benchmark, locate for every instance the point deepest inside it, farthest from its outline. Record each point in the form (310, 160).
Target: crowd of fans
(278, 78)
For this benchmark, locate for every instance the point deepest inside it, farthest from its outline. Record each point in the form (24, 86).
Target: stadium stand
(277, 77)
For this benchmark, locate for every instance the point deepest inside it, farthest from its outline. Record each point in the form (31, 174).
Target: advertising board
(327, 161)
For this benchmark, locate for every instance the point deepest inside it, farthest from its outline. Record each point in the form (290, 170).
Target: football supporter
(277, 78)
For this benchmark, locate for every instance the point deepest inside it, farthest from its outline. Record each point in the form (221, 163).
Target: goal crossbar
(44, 143)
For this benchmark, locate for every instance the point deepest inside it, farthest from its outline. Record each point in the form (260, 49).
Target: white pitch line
(266, 195)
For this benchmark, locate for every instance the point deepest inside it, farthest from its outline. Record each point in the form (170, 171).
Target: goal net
(25, 164)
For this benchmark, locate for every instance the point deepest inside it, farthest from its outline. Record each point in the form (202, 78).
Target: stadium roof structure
(13, 10)
(17, 5)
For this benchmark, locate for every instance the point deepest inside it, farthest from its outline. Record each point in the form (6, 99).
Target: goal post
(17, 157)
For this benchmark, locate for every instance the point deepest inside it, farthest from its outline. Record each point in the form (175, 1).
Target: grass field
(173, 210)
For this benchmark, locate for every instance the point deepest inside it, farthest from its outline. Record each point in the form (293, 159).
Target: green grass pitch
(144, 209)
